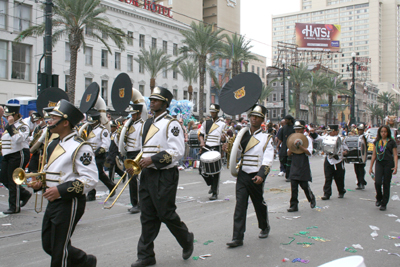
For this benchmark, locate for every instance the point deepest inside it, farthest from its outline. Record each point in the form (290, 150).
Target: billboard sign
(318, 37)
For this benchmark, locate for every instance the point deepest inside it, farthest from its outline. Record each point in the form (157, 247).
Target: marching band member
(359, 168)
(40, 127)
(15, 149)
(211, 135)
(333, 166)
(300, 171)
(162, 147)
(99, 138)
(70, 173)
(258, 155)
(133, 145)
(113, 152)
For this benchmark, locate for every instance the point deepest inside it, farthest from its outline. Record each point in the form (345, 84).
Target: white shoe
(281, 174)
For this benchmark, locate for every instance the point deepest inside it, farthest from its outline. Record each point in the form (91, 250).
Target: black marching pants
(359, 169)
(59, 223)
(34, 162)
(334, 172)
(383, 177)
(212, 180)
(157, 193)
(114, 169)
(294, 200)
(9, 164)
(102, 175)
(286, 161)
(133, 184)
(246, 187)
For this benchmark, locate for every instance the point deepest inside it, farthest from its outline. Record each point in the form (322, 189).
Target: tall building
(370, 28)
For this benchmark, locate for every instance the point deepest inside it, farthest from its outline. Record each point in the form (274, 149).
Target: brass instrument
(129, 164)
(35, 138)
(20, 177)
(229, 149)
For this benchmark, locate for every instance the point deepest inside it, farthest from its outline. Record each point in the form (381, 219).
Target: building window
(175, 49)
(227, 63)
(252, 68)
(165, 73)
(67, 52)
(130, 63)
(88, 81)
(3, 59)
(88, 55)
(274, 113)
(141, 67)
(174, 74)
(21, 62)
(220, 79)
(195, 101)
(212, 98)
(273, 97)
(153, 42)
(117, 61)
(88, 31)
(165, 46)
(104, 90)
(22, 17)
(175, 92)
(258, 71)
(263, 73)
(141, 41)
(130, 38)
(104, 58)
(66, 83)
(3, 13)
(185, 94)
(141, 89)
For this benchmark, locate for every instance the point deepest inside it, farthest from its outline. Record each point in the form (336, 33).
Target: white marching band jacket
(133, 137)
(216, 130)
(99, 138)
(15, 137)
(163, 141)
(71, 166)
(258, 155)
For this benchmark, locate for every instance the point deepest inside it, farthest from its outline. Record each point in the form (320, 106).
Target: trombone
(129, 164)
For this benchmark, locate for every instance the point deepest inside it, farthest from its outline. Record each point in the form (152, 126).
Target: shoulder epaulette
(79, 139)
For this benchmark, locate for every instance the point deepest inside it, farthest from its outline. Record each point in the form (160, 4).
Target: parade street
(112, 235)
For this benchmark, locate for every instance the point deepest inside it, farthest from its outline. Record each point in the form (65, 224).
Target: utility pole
(353, 88)
(48, 46)
(284, 89)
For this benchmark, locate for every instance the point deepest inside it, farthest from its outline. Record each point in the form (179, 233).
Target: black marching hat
(214, 108)
(163, 94)
(240, 93)
(361, 126)
(11, 109)
(49, 98)
(299, 125)
(92, 116)
(134, 108)
(68, 112)
(36, 116)
(333, 127)
(258, 110)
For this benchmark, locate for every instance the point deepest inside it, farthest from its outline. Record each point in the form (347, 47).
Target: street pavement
(112, 235)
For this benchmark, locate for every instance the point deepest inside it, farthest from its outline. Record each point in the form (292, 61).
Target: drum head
(210, 156)
(362, 145)
(89, 97)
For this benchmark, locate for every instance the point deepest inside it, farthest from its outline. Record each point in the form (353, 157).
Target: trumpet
(129, 164)
(20, 177)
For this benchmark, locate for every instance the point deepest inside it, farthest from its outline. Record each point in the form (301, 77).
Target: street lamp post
(353, 88)
(284, 89)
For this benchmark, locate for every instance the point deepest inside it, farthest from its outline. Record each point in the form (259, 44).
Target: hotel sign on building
(149, 5)
(321, 37)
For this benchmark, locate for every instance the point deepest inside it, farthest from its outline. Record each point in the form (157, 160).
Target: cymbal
(292, 139)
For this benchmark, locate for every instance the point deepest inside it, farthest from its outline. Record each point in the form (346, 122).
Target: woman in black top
(385, 154)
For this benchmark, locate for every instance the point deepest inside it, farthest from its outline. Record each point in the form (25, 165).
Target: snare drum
(357, 149)
(211, 162)
(331, 145)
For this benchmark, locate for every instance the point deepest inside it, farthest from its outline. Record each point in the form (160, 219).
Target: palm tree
(266, 91)
(154, 61)
(237, 50)
(70, 18)
(315, 86)
(395, 108)
(217, 84)
(336, 106)
(298, 76)
(200, 41)
(385, 98)
(376, 112)
(334, 86)
(190, 73)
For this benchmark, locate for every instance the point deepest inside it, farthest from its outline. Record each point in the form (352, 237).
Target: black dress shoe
(313, 202)
(110, 189)
(10, 211)
(25, 200)
(383, 207)
(134, 210)
(378, 203)
(90, 198)
(213, 197)
(91, 261)
(263, 233)
(186, 253)
(144, 262)
(235, 243)
(325, 197)
(359, 187)
(293, 209)
(341, 195)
